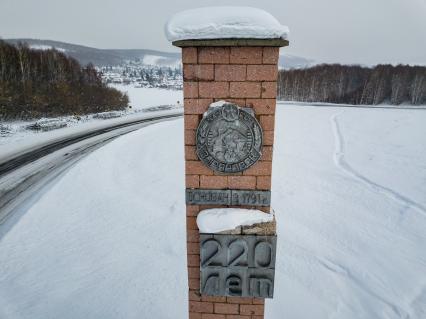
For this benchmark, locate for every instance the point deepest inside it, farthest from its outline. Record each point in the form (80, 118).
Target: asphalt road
(22, 178)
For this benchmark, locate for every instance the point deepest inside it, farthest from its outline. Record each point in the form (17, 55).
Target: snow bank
(224, 22)
(216, 220)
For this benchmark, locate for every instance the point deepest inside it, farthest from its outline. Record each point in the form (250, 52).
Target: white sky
(346, 31)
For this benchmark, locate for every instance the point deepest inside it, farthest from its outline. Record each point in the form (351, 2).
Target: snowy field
(107, 240)
(142, 98)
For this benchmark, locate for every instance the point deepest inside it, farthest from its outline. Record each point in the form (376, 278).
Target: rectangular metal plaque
(208, 197)
(228, 197)
(250, 198)
(237, 265)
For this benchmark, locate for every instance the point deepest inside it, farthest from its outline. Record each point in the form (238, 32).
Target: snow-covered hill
(107, 240)
(103, 57)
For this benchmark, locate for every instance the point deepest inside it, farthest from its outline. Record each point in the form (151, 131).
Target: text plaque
(237, 265)
(228, 197)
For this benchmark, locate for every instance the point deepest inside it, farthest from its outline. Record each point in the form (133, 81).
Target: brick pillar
(244, 72)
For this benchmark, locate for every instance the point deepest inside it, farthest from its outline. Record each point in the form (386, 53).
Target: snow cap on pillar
(233, 26)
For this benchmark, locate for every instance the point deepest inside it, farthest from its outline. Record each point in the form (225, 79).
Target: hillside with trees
(337, 83)
(39, 83)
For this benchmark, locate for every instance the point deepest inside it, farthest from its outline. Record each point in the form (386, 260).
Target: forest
(335, 83)
(41, 83)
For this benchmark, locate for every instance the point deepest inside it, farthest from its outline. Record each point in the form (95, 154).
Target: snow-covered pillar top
(230, 68)
(226, 26)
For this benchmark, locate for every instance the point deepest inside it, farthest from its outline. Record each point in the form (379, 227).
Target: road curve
(23, 177)
(20, 160)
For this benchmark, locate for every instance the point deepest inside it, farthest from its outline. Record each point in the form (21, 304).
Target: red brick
(215, 182)
(199, 306)
(242, 182)
(266, 209)
(191, 122)
(192, 181)
(197, 168)
(213, 298)
(269, 90)
(261, 168)
(189, 137)
(240, 300)
(192, 210)
(258, 301)
(214, 89)
(262, 72)
(202, 207)
(194, 295)
(194, 284)
(190, 153)
(193, 248)
(194, 315)
(194, 272)
(268, 137)
(238, 317)
(213, 55)
(266, 153)
(191, 222)
(246, 55)
(212, 316)
(193, 260)
(190, 89)
(198, 72)
(263, 182)
(267, 122)
(196, 106)
(271, 55)
(262, 106)
(192, 236)
(189, 55)
(230, 72)
(251, 309)
(245, 89)
(226, 308)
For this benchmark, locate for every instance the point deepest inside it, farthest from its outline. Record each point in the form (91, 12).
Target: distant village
(138, 74)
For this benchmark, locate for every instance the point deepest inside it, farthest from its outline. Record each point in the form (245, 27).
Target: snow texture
(214, 105)
(224, 23)
(216, 220)
(107, 239)
(142, 98)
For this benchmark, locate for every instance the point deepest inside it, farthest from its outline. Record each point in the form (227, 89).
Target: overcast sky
(346, 31)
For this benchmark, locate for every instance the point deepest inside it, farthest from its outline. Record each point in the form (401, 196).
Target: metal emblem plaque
(229, 139)
(237, 265)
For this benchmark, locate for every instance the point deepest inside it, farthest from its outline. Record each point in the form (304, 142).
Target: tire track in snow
(340, 162)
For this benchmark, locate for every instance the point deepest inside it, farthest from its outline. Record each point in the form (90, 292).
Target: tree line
(38, 83)
(335, 83)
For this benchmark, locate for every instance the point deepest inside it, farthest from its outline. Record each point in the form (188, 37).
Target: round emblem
(229, 139)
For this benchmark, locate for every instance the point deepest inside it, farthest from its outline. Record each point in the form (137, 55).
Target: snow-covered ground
(107, 240)
(142, 98)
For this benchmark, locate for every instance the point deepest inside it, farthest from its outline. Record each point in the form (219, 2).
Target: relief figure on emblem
(230, 136)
